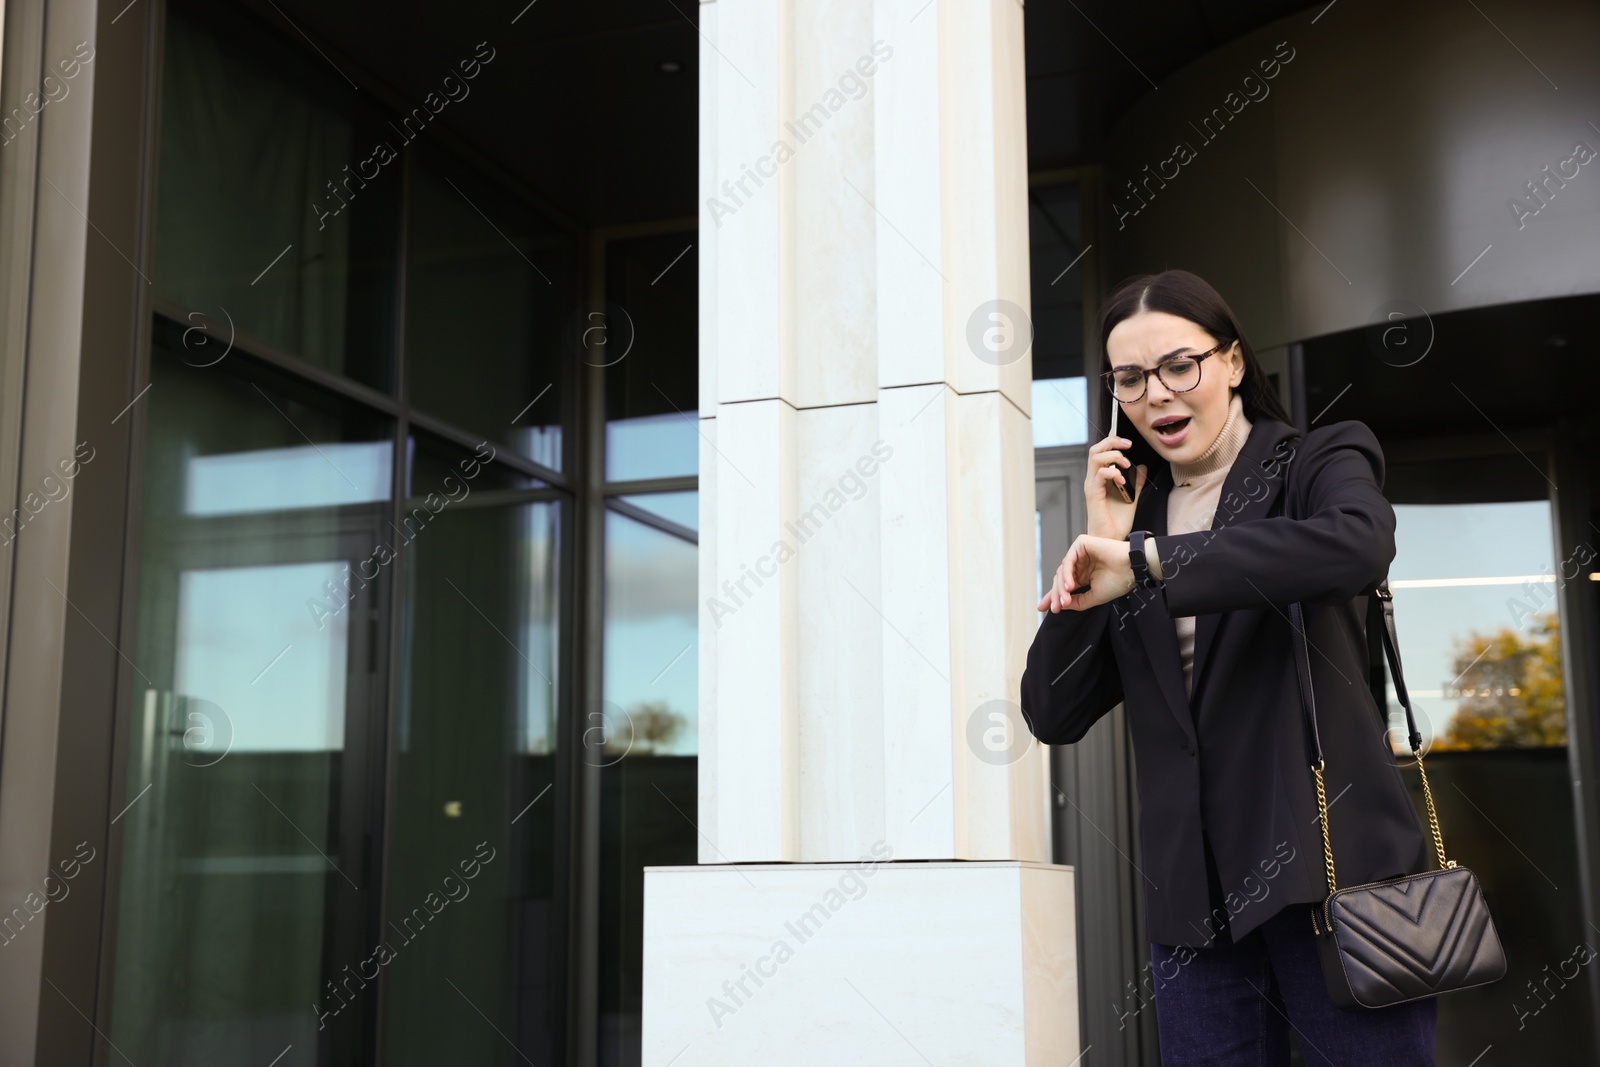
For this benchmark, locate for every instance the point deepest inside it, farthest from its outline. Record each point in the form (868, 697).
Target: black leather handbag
(1406, 938)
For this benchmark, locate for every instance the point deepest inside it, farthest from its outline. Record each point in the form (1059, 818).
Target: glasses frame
(1109, 377)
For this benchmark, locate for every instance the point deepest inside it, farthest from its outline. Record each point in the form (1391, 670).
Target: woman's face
(1179, 426)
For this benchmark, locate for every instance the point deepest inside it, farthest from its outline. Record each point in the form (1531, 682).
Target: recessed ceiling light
(671, 67)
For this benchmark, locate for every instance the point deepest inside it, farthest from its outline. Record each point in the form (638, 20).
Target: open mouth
(1172, 432)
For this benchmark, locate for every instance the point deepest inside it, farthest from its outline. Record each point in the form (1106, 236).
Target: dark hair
(1188, 296)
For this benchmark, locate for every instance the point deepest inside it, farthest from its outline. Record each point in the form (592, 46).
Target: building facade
(490, 495)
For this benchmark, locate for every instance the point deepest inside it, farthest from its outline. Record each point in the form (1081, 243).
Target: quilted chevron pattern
(1412, 937)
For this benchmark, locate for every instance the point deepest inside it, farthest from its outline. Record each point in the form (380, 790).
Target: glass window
(1056, 251)
(649, 330)
(1060, 412)
(488, 300)
(449, 472)
(471, 928)
(284, 479)
(651, 687)
(681, 508)
(259, 664)
(1475, 607)
(277, 204)
(644, 740)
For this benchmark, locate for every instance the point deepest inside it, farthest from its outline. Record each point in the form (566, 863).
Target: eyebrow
(1174, 354)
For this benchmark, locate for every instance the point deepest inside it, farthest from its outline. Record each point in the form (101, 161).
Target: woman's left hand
(1101, 563)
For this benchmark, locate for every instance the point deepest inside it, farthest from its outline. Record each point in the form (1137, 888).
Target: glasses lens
(1180, 374)
(1128, 385)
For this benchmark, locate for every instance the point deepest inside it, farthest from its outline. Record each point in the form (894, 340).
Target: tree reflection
(1510, 688)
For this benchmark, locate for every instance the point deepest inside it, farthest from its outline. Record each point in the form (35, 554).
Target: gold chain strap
(1327, 844)
(1322, 807)
(1327, 841)
(1433, 817)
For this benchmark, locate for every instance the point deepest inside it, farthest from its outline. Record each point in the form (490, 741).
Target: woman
(1237, 516)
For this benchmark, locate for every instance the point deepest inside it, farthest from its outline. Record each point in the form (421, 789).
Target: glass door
(253, 765)
(1476, 574)
(472, 946)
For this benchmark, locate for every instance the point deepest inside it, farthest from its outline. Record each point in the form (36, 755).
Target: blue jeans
(1232, 1006)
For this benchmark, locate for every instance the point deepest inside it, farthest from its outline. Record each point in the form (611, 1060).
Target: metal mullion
(281, 359)
(123, 705)
(564, 846)
(651, 519)
(394, 406)
(583, 965)
(1576, 602)
(495, 498)
(503, 453)
(390, 778)
(682, 483)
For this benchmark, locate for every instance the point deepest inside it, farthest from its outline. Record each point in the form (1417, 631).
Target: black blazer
(1234, 761)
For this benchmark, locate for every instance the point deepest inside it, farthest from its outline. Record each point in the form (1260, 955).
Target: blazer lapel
(1248, 491)
(1153, 622)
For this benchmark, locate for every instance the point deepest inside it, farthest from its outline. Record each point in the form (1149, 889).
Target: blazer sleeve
(1344, 543)
(1071, 679)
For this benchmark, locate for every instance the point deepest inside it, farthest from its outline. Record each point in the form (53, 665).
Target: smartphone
(1121, 489)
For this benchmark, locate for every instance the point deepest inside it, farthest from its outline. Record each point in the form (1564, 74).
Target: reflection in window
(486, 301)
(223, 652)
(262, 226)
(1056, 267)
(477, 767)
(282, 479)
(1475, 608)
(681, 508)
(651, 680)
(258, 674)
(652, 446)
(652, 428)
(646, 753)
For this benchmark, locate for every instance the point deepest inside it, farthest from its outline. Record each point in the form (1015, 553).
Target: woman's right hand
(1108, 515)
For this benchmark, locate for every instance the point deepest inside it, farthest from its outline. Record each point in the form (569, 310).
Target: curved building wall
(1329, 164)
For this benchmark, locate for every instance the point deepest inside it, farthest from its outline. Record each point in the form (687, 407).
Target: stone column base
(877, 962)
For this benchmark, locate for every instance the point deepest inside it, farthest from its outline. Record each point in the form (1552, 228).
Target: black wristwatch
(1141, 568)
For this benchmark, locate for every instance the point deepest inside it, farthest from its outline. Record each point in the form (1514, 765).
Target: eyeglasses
(1179, 375)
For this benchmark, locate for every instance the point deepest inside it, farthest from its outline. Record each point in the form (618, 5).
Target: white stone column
(867, 555)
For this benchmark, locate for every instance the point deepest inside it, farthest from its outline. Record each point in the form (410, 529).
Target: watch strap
(1138, 563)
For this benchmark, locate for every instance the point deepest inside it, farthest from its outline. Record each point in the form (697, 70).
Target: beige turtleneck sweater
(1192, 504)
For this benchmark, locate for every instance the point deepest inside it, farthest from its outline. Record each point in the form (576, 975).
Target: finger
(1112, 474)
(1071, 563)
(1108, 444)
